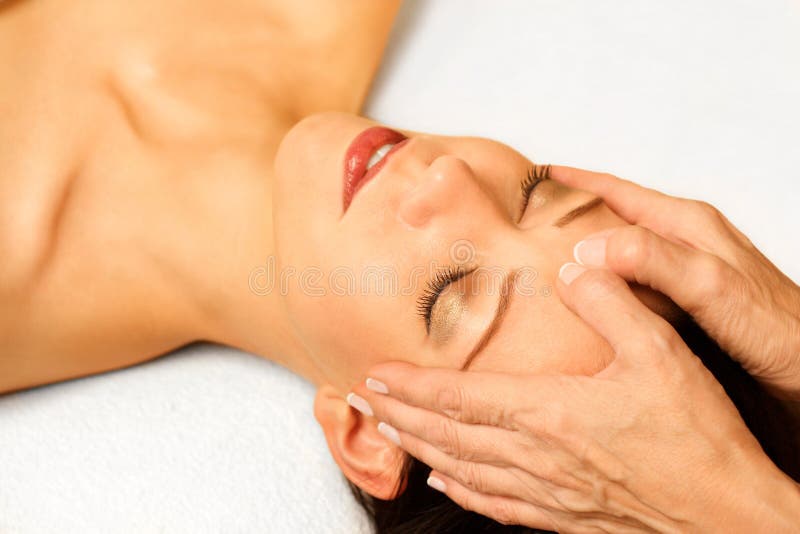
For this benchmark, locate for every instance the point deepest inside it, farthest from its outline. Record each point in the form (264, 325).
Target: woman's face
(376, 281)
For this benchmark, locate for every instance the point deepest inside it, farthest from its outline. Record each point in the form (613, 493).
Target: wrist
(777, 507)
(762, 499)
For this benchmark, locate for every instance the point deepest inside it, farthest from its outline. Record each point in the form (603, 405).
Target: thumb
(693, 279)
(602, 299)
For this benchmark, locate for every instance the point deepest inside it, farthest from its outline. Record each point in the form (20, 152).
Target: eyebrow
(584, 208)
(509, 282)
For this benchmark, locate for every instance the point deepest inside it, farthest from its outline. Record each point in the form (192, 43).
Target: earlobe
(365, 457)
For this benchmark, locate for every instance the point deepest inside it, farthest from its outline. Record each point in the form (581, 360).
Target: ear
(367, 459)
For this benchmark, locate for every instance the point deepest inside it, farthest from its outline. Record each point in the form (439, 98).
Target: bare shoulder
(325, 18)
(341, 43)
(83, 316)
(84, 290)
(103, 192)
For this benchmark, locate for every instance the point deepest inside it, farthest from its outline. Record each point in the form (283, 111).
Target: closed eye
(536, 175)
(440, 281)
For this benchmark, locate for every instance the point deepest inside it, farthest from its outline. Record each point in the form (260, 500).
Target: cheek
(347, 334)
(329, 328)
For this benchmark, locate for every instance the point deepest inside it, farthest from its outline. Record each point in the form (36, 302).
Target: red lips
(357, 156)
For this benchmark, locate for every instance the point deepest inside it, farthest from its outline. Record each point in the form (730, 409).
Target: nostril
(439, 188)
(451, 166)
(421, 202)
(415, 211)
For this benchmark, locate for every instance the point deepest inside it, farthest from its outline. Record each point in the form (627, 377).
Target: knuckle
(714, 277)
(469, 502)
(672, 342)
(664, 338)
(609, 177)
(661, 340)
(555, 421)
(657, 344)
(635, 345)
(470, 475)
(548, 471)
(504, 513)
(448, 438)
(658, 348)
(707, 215)
(706, 209)
(632, 247)
(451, 401)
(664, 347)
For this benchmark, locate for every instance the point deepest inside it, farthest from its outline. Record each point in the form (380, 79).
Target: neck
(235, 289)
(252, 318)
(251, 313)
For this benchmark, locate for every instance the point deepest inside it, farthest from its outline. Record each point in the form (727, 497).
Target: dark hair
(422, 509)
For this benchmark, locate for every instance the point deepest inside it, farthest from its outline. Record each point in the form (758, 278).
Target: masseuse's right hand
(689, 251)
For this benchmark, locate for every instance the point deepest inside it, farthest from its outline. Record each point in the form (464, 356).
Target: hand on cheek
(692, 253)
(626, 448)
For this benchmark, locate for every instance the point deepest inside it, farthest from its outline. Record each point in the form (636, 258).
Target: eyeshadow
(538, 199)
(447, 312)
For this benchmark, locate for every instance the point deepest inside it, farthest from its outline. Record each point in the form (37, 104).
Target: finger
(556, 516)
(462, 441)
(505, 510)
(477, 476)
(633, 202)
(489, 462)
(693, 279)
(478, 398)
(606, 303)
(693, 222)
(539, 404)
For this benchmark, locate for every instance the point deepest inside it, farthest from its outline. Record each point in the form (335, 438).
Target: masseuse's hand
(650, 443)
(689, 251)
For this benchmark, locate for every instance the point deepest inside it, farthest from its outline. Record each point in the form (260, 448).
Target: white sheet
(209, 439)
(695, 98)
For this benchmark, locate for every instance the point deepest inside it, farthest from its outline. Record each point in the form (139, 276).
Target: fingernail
(570, 271)
(591, 251)
(437, 484)
(390, 433)
(377, 386)
(359, 403)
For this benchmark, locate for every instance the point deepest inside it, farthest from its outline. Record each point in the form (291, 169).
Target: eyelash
(440, 281)
(536, 175)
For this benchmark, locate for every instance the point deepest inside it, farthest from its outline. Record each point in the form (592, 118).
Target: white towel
(208, 439)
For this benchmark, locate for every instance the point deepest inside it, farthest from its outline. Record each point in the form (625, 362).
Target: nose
(447, 186)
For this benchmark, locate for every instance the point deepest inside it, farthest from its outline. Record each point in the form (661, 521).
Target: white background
(696, 98)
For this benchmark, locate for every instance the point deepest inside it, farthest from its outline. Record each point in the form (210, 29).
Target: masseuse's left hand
(652, 442)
